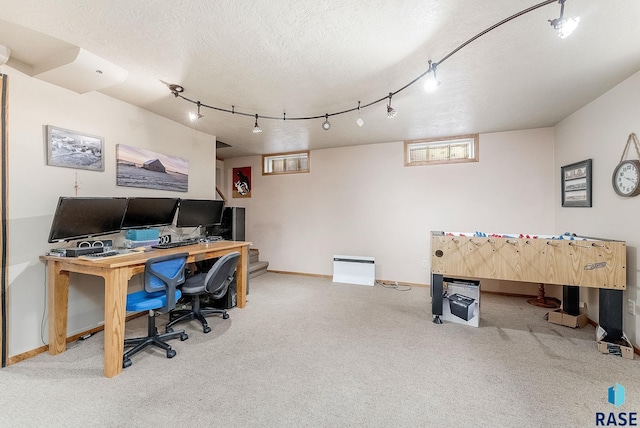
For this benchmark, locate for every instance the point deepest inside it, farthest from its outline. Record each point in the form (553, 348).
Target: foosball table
(568, 260)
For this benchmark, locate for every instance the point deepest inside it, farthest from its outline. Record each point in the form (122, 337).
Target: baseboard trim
(317, 275)
(29, 354)
(400, 284)
(503, 293)
(313, 275)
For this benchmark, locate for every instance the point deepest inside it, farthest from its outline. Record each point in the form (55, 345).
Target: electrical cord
(395, 286)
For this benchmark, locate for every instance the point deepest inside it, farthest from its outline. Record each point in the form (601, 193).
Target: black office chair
(214, 283)
(161, 277)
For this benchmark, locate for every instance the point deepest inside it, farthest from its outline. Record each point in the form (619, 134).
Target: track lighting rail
(431, 68)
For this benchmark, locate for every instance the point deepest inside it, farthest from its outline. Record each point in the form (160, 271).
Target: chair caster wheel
(171, 353)
(126, 363)
(184, 337)
(206, 329)
(225, 316)
(169, 330)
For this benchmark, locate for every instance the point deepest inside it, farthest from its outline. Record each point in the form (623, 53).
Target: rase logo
(616, 397)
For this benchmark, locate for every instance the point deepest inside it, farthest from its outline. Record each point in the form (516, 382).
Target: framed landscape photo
(71, 149)
(151, 170)
(576, 184)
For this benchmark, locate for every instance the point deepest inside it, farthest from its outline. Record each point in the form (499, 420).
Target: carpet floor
(306, 352)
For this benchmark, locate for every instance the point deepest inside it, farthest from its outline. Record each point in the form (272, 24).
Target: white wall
(34, 189)
(363, 201)
(599, 131)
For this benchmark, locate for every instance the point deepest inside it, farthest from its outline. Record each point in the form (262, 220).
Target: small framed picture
(242, 182)
(576, 184)
(71, 149)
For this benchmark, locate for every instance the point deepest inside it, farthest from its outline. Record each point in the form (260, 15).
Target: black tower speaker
(610, 313)
(231, 228)
(236, 217)
(437, 286)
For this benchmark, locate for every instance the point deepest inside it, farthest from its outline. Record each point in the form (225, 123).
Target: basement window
(463, 148)
(285, 163)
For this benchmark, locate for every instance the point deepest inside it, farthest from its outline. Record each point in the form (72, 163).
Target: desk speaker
(96, 243)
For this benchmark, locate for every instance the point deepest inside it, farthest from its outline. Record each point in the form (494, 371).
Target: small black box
(229, 300)
(81, 251)
(461, 306)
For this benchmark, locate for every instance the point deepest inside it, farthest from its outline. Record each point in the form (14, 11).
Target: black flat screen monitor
(78, 218)
(199, 212)
(149, 212)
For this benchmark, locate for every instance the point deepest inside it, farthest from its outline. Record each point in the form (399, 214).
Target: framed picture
(150, 170)
(242, 182)
(576, 184)
(71, 149)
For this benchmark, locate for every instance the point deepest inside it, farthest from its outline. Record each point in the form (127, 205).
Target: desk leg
(115, 301)
(242, 277)
(58, 304)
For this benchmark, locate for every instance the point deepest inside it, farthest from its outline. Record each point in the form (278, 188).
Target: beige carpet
(309, 353)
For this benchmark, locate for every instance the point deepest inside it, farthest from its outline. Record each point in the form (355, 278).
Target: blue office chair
(161, 277)
(214, 283)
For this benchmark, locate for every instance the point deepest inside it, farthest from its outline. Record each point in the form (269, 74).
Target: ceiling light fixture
(391, 112)
(326, 125)
(431, 83)
(256, 128)
(195, 116)
(175, 89)
(564, 26)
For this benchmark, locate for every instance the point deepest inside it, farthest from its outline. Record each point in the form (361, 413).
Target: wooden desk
(116, 273)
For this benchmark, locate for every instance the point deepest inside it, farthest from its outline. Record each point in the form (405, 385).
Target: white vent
(354, 270)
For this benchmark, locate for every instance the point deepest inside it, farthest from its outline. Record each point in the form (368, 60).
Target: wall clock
(626, 178)
(626, 175)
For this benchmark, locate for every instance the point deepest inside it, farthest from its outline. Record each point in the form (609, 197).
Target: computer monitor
(77, 218)
(149, 212)
(199, 212)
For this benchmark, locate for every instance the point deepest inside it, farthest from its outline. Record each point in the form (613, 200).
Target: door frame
(4, 183)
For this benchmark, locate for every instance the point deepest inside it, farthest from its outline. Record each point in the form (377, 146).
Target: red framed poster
(242, 182)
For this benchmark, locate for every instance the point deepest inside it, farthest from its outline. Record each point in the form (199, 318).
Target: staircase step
(254, 255)
(258, 268)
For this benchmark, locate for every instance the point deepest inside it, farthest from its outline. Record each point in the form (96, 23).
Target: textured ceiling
(311, 58)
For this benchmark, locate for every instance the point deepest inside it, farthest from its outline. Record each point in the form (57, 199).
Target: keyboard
(176, 244)
(107, 255)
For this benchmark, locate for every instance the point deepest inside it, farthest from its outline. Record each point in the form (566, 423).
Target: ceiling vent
(80, 71)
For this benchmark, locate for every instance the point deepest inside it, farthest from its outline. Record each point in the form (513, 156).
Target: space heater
(354, 270)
